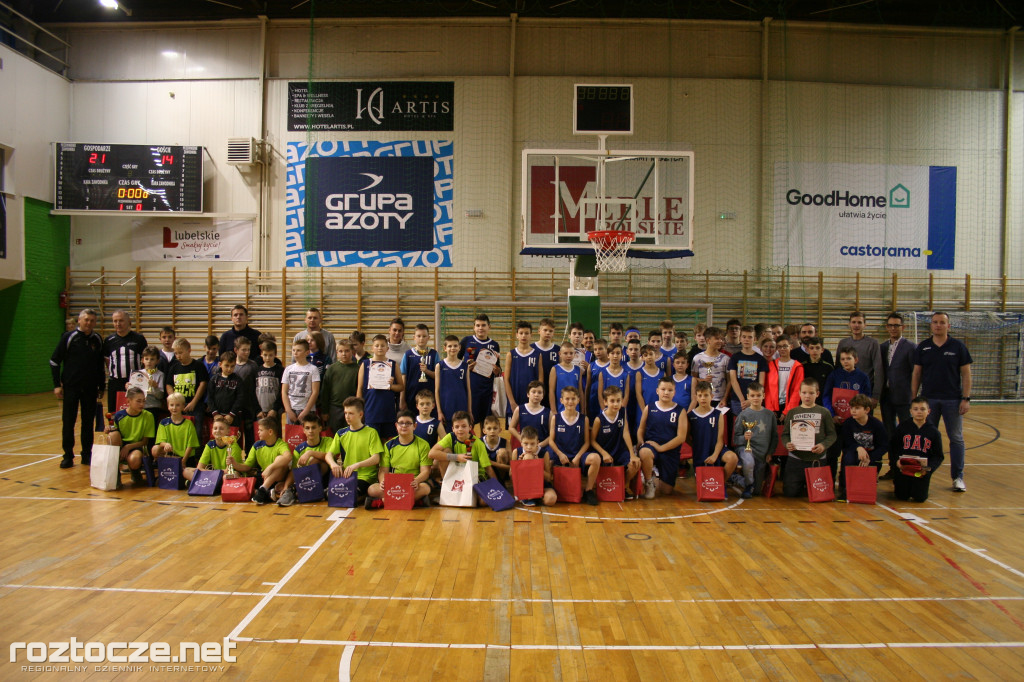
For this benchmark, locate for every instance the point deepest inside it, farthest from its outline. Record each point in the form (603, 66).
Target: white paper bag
(499, 399)
(457, 486)
(103, 470)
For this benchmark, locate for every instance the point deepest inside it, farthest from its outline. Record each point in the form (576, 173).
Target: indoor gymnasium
(511, 340)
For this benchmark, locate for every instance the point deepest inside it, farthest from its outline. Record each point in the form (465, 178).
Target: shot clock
(128, 177)
(602, 109)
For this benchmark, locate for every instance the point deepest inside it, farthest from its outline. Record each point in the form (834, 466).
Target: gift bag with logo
(457, 486)
(294, 435)
(568, 484)
(527, 478)
(819, 484)
(121, 401)
(499, 399)
(861, 484)
(168, 473)
(237, 489)
(309, 483)
(611, 484)
(206, 482)
(494, 494)
(103, 473)
(710, 484)
(398, 492)
(769, 483)
(341, 491)
(841, 401)
(149, 466)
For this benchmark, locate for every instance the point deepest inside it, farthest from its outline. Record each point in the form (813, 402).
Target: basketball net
(610, 248)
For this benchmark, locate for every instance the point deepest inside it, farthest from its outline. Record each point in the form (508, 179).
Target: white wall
(850, 95)
(33, 113)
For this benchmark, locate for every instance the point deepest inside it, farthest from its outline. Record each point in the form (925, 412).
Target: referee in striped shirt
(123, 353)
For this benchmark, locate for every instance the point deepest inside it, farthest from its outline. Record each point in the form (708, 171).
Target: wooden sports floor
(667, 589)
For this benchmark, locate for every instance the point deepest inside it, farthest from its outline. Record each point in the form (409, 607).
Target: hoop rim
(611, 237)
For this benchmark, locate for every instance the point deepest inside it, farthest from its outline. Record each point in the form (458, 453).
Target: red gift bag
(237, 489)
(780, 447)
(528, 478)
(568, 484)
(819, 484)
(611, 484)
(398, 492)
(121, 401)
(861, 484)
(710, 484)
(841, 401)
(294, 435)
(769, 482)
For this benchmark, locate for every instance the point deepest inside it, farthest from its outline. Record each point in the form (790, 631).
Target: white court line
(27, 454)
(642, 647)
(289, 575)
(38, 461)
(979, 552)
(514, 600)
(345, 666)
(632, 518)
(63, 499)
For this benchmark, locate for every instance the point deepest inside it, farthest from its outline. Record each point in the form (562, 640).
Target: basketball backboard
(567, 193)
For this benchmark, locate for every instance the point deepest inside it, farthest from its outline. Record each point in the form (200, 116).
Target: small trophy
(423, 370)
(749, 427)
(230, 471)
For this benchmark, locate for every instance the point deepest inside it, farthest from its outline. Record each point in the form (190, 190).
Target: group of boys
(585, 403)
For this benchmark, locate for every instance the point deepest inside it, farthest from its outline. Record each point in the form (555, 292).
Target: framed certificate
(380, 375)
(802, 435)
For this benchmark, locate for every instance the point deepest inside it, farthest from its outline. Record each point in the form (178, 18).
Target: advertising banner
(375, 105)
(155, 239)
(865, 216)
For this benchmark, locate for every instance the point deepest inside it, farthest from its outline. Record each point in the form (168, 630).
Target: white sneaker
(650, 486)
(958, 486)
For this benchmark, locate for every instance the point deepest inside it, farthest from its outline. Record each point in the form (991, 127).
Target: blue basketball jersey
(521, 371)
(452, 388)
(411, 369)
(565, 378)
(610, 436)
(649, 385)
(540, 420)
(492, 453)
(569, 437)
(662, 424)
(596, 370)
(618, 380)
(427, 430)
(380, 402)
(682, 395)
(548, 359)
(633, 405)
(470, 346)
(704, 431)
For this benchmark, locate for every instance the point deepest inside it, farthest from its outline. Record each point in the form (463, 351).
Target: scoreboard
(128, 177)
(602, 109)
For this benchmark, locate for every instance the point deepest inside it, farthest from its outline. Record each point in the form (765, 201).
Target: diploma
(802, 435)
(486, 359)
(380, 375)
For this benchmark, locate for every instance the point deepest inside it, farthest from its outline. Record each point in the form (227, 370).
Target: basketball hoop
(610, 247)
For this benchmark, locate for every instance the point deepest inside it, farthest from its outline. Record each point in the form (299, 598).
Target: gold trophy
(749, 427)
(230, 471)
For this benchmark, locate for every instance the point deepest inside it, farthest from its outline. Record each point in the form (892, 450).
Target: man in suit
(897, 371)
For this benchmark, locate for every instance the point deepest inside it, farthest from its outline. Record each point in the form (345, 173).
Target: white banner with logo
(161, 239)
(865, 216)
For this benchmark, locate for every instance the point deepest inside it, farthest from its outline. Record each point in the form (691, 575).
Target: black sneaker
(67, 463)
(888, 475)
(261, 496)
(137, 478)
(590, 497)
(368, 505)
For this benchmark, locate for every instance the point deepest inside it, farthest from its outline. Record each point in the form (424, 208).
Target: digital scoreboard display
(128, 177)
(602, 109)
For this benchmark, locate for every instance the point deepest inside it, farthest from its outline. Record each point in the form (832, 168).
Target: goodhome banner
(865, 216)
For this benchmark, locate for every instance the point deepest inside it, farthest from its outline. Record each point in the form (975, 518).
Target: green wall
(31, 322)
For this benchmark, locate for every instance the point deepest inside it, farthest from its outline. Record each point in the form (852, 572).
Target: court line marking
(509, 600)
(989, 442)
(545, 512)
(63, 499)
(639, 647)
(27, 454)
(38, 461)
(255, 611)
(345, 666)
(979, 552)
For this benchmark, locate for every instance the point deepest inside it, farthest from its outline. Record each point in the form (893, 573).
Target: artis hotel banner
(371, 106)
(375, 204)
(865, 216)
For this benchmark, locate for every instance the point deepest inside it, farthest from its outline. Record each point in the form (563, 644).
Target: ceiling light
(109, 4)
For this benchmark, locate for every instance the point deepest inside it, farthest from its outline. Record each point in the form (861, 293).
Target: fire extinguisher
(62, 299)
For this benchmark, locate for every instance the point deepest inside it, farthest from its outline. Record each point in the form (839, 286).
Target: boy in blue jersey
(428, 427)
(613, 375)
(380, 402)
(418, 367)
(313, 450)
(406, 453)
(630, 399)
(548, 352)
(532, 413)
(452, 390)
(570, 442)
(531, 449)
(647, 380)
(595, 371)
(707, 433)
(176, 437)
(565, 373)
(522, 366)
(662, 432)
(682, 379)
(864, 439)
(497, 447)
(668, 342)
(615, 334)
(481, 387)
(610, 439)
(132, 430)
(654, 341)
(846, 376)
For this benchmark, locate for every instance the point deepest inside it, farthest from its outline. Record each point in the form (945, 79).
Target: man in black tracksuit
(78, 378)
